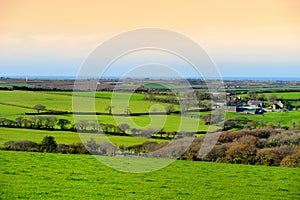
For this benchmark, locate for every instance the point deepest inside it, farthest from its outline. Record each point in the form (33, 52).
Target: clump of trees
(36, 122)
(49, 144)
(271, 147)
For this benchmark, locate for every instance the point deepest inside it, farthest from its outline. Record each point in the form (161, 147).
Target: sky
(243, 38)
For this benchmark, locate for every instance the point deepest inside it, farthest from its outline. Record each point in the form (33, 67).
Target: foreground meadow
(27, 175)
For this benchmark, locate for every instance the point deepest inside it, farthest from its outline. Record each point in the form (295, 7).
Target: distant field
(271, 117)
(65, 137)
(284, 95)
(26, 175)
(12, 112)
(63, 101)
(263, 88)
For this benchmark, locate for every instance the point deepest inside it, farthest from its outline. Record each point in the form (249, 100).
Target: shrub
(292, 160)
(107, 148)
(283, 151)
(242, 151)
(267, 157)
(284, 138)
(219, 151)
(22, 145)
(48, 144)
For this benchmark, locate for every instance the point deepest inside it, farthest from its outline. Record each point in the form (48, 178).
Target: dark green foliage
(48, 144)
(62, 123)
(236, 123)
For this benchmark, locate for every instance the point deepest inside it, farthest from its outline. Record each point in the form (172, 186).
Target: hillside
(40, 175)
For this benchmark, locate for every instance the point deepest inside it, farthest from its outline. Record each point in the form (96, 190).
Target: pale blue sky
(244, 38)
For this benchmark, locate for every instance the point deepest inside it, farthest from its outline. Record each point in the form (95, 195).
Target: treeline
(49, 144)
(270, 147)
(84, 126)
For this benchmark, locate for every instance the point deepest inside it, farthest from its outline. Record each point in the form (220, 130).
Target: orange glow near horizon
(223, 27)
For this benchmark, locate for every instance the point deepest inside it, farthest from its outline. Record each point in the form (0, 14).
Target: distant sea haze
(62, 77)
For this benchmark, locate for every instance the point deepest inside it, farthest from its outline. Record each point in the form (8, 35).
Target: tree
(261, 97)
(253, 95)
(82, 124)
(109, 108)
(50, 121)
(27, 122)
(272, 99)
(107, 148)
(95, 125)
(243, 151)
(108, 128)
(134, 131)
(62, 123)
(279, 122)
(124, 127)
(92, 146)
(19, 121)
(39, 107)
(170, 108)
(48, 144)
(127, 110)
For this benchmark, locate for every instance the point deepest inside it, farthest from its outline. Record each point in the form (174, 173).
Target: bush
(22, 145)
(284, 138)
(107, 148)
(292, 160)
(219, 151)
(48, 144)
(242, 151)
(267, 157)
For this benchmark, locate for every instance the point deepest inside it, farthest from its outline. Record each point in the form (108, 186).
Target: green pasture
(62, 102)
(26, 175)
(12, 112)
(283, 95)
(286, 118)
(66, 137)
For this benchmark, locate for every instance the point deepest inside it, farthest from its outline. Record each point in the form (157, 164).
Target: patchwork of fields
(21, 102)
(43, 175)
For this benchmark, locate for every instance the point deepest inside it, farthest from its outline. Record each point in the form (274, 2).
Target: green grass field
(26, 175)
(65, 137)
(284, 95)
(63, 101)
(271, 117)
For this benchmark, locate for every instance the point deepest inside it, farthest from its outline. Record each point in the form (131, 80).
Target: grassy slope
(57, 176)
(64, 137)
(284, 95)
(12, 112)
(271, 117)
(58, 101)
